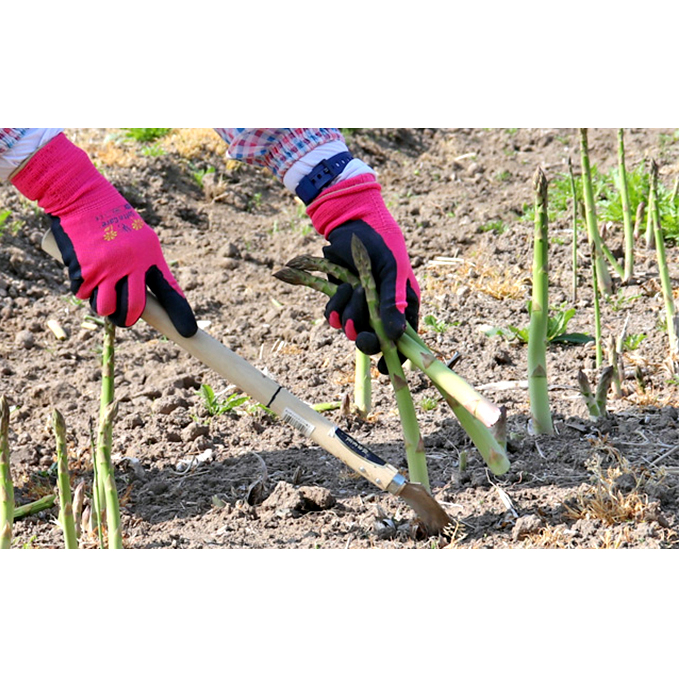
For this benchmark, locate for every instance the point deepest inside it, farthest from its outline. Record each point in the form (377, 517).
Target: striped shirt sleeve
(275, 148)
(10, 136)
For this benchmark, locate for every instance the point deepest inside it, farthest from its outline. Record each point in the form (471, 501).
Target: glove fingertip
(368, 343)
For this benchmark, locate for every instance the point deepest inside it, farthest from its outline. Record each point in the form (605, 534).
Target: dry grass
(110, 148)
(503, 284)
(605, 499)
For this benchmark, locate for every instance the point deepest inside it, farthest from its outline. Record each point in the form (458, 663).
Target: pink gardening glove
(355, 206)
(110, 252)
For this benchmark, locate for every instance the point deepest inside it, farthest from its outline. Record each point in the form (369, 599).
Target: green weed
(633, 341)
(146, 135)
(153, 151)
(13, 226)
(557, 329)
(428, 403)
(433, 323)
(620, 300)
(199, 175)
(216, 406)
(497, 226)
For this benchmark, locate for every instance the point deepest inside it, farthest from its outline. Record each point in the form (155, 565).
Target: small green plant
(13, 226)
(432, 323)
(633, 341)
(217, 406)
(146, 135)
(557, 329)
(620, 300)
(254, 202)
(497, 226)
(428, 403)
(153, 151)
(199, 175)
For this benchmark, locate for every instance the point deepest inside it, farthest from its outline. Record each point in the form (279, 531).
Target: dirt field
(191, 479)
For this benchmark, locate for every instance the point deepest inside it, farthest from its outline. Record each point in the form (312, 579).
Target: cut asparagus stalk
(107, 397)
(6, 483)
(34, 507)
(309, 263)
(66, 519)
(537, 333)
(413, 441)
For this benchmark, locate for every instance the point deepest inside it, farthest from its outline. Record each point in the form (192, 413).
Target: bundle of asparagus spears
(483, 421)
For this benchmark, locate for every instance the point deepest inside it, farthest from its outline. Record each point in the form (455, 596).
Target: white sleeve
(307, 163)
(33, 139)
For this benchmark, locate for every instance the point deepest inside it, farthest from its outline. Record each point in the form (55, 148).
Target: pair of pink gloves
(112, 255)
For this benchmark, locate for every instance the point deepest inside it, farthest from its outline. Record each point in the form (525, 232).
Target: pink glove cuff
(350, 200)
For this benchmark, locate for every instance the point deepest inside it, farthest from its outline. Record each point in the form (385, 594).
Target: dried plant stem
(603, 275)
(626, 210)
(6, 483)
(663, 269)
(537, 332)
(413, 441)
(66, 519)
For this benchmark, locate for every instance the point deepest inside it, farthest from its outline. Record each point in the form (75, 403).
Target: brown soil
(245, 480)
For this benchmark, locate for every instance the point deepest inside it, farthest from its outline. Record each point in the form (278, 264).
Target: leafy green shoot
(497, 226)
(428, 403)
(217, 406)
(434, 324)
(146, 135)
(11, 226)
(557, 329)
(633, 341)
